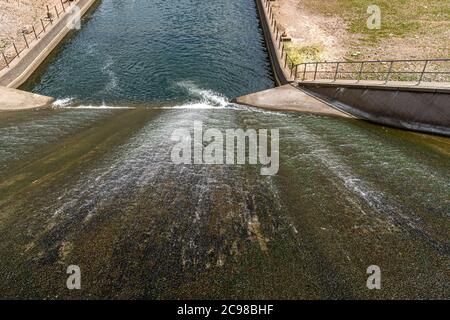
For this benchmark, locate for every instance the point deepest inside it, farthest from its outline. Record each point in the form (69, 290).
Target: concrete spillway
(92, 183)
(290, 98)
(12, 99)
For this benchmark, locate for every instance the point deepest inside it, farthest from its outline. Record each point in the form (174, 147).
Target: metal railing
(15, 50)
(421, 70)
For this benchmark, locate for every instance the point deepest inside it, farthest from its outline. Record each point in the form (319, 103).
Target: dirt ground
(336, 29)
(312, 30)
(17, 14)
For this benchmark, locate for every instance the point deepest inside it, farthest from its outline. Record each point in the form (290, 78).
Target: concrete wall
(13, 100)
(407, 108)
(282, 76)
(20, 70)
(289, 98)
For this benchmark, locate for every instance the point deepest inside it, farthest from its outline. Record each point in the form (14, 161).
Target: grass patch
(399, 18)
(3, 44)
(300, 54)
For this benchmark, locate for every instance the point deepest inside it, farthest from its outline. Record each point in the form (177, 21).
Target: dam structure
(90, 181)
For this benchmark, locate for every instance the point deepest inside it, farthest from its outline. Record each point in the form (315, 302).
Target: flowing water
(90, 182)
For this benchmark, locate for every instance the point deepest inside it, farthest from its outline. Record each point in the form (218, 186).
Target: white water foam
(213, 100)
(203, 99)
(68, 103)
(102, 107)
(62, 103)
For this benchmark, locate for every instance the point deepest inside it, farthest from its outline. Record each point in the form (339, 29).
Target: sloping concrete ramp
(289, 98)
(401, 105)
(13, 99)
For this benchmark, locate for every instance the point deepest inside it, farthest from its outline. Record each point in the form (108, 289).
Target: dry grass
(400, 18)
(299, 54)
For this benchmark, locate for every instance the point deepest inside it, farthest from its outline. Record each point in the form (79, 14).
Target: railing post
(43, 25)
(315, 71)
(389, 72)
(296, 70)
(25, 38)
(62, 3)
(360, 71)
(423, 71)
(34, 31)
(48, 15)
(285, 59)
(57, 13)
(6, 60)
(304, 72)
(337, 70)
(15, 48)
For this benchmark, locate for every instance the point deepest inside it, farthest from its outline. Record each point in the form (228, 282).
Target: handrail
(336, 70)
(16, 49)
(377, 61)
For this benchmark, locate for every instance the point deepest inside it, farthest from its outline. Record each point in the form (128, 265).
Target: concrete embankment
(13, 99)
(289, 98)
(22, 68)
(276, 54)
